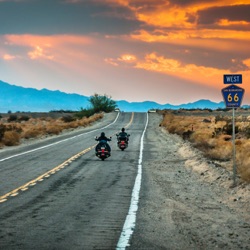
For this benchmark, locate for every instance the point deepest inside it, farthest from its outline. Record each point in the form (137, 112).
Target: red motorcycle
(122, 143)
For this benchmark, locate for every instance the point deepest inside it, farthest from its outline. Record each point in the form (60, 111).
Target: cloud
(192, 2)
(39, 52)
(8, 57)
(123, 59)
(233, 13)
(65, 17)
(205, 76)
(128, 42)
(42, 47)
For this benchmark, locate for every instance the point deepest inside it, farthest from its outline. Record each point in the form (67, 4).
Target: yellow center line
(45, 175)
(40, 178)
(131, 120)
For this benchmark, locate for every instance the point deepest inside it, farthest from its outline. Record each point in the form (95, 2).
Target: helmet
(102, 134)
(123, 129)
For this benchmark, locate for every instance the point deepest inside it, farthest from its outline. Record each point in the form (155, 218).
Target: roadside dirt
(186, 202)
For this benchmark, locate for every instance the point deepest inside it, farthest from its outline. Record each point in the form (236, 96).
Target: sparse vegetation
(12, 118)
(102, 103)
(14, 128)
(213, 136)
(11, 138)
(84, 113)
(18, 126)
(99, 103)
(68, 118)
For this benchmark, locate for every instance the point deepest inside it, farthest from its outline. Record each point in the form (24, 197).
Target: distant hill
(145, 106)
(15, 98)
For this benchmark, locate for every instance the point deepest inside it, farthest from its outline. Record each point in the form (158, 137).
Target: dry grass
(11, 138)
(243, 160)
(13, 132)
(213, 136)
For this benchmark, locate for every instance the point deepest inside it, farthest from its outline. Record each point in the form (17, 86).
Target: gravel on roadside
(186, 202)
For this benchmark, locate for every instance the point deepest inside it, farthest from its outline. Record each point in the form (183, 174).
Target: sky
(167, 51)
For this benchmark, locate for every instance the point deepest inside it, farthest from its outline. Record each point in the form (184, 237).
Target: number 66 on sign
(233, 96)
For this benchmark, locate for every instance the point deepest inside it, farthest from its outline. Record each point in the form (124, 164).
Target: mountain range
(15, 98)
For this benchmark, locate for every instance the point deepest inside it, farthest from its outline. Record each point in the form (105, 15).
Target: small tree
(102, 103)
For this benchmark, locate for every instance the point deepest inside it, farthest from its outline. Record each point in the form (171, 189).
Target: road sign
(233, 96)
(232, 79)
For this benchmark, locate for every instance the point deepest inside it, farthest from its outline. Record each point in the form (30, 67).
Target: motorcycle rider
(122, 136)
(103, 140)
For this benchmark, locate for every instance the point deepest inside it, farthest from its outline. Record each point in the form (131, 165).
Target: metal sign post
(233, 96)
(234, 152)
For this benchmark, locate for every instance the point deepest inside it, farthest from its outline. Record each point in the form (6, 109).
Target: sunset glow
(96, 46)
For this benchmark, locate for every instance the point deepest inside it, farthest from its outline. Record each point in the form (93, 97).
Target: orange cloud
(173, 22)
(226, 22)
(8, 57)
(210, 39)
(168, 13)
(39, 52)
(202, 75)
(125, 58)
(111, 61)
(44, 46)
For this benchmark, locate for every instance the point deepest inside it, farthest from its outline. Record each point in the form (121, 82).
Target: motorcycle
(101, 150)
(122, 143)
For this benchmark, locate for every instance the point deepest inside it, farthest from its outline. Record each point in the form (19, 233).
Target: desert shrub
(2, 130)
(13, 127)
(223, 118)
(32, 133)
(74, 124)
(214, 139)
(201, 140)
(84, 122)
(67, 118)
(243, 160)
(247, 131)
(84, 113)
(11, 138)
(95, 117)
(66, 126)
(167, 118)
(167, 122)
(23, 118)
(53, 129)
(187, 134)
(12, 118)
(219, 149)
(228, 129)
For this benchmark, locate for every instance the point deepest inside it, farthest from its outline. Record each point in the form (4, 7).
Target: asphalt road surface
(56, 194)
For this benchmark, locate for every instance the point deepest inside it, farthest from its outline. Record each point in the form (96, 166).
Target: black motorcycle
(102, 151)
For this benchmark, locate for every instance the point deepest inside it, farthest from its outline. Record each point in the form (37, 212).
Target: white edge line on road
(129, 225)
(52, 144)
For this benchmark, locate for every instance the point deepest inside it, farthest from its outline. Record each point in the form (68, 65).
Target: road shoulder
(186, 202)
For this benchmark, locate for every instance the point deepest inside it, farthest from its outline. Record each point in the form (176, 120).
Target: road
(56, 194)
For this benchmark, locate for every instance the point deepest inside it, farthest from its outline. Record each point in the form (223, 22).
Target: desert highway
(56, 194)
